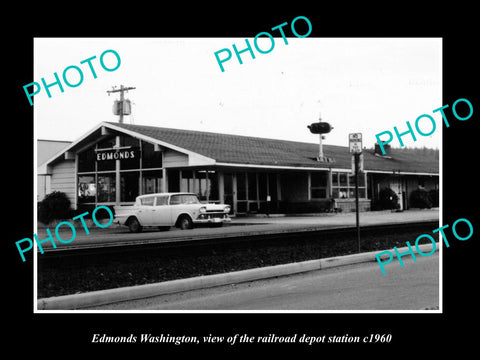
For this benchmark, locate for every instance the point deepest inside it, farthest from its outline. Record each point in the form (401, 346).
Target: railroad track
(127, 263)
(226, 239)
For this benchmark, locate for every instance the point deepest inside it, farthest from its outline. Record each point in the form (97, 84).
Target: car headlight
(226, 210)
(203, 210)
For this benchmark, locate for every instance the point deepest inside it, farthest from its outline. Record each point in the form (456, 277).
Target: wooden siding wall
(172, 158)
(63, 179)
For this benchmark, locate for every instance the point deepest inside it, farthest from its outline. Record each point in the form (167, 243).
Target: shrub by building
(434, 197)
(56, 205)
(420, 198)
(387, 200)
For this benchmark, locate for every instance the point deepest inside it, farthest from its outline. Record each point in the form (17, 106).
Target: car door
(184, 204)
(161, 214)
(144, 211)
(175, 205)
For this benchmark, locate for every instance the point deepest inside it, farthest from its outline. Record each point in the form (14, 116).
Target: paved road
(354, 287)
(115, 234)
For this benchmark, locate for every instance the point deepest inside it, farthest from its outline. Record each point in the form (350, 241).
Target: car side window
(161, 200)
(184, 199)
(147, 201)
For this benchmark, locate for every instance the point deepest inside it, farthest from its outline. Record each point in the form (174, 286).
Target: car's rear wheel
(185, 222)
(134, 225)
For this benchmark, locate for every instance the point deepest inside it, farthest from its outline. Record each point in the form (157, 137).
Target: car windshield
(184, 199)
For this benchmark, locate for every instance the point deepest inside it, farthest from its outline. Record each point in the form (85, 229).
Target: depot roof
(236, 150)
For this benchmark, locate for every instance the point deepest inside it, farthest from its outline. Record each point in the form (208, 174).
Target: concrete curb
(102, 297)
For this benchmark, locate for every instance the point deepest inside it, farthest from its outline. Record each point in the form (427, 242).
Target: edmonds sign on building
(115, 154)
(115, 162)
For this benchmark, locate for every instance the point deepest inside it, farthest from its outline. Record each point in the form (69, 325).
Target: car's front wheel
(185, 222)
(134, 225)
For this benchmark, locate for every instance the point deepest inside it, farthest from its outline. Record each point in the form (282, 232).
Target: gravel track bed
(63, 276)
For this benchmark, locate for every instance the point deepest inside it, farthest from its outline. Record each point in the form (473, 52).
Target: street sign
(355, 142)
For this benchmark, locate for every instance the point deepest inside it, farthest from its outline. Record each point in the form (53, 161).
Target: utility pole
(121, 91)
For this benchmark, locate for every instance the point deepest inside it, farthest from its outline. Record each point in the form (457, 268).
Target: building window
(212, 185)
(173, 180)
(105, 165)
(152, 181)
(252, 186)
(241, 192)
(139, 171)
(241, 206)
(241, 187)
(106, 187)
(87, 189)
(343, 185)
(228, 190)
(86, 161)
(129, 185)
(186, 183)
(262, 186)
(339, 191)
(131, 159)
(318, 185)
(206, 184)
(201, 184)
(272, 186)
(105, 145)
(150, 157)
(361, 186)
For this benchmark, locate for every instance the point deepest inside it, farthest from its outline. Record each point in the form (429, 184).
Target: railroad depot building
(115, 162)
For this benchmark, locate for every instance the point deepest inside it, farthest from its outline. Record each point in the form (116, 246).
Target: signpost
(355, 145)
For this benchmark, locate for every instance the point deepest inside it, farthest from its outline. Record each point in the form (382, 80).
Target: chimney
(386, 148)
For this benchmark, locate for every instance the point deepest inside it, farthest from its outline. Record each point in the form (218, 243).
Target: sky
(366, 85)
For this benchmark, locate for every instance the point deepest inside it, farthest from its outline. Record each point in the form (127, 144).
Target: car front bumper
(209, 219)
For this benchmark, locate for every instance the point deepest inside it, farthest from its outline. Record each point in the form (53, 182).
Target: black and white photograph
(241, 189)
(243, 183)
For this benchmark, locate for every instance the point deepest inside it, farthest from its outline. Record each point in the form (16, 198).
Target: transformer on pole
(121, 107)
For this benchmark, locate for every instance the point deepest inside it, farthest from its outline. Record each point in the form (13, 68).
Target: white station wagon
(164, 210)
